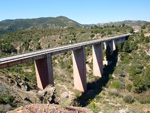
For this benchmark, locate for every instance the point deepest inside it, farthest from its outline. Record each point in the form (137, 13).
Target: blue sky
(82, 11)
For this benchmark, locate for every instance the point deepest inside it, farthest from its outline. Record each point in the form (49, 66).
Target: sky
(82, 11)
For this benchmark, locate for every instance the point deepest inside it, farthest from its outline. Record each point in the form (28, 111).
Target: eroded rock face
(47, 95)
(21, 97)
(64, 95)
(24, 86)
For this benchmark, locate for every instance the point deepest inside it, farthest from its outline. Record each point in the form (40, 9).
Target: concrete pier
(115, 42)
(79, 69)
(98, 59)
(44, 71)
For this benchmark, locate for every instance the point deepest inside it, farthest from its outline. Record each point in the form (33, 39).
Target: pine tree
(126, 46)
(119, 47)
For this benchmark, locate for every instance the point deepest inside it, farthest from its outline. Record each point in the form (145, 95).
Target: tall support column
(98, 59)
(44, 72)
(115, 42)
(79, 69)
(114, 45)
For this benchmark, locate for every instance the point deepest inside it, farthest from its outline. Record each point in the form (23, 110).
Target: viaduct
(43, 60)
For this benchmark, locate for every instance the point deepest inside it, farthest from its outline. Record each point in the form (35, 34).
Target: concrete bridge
(43, 60)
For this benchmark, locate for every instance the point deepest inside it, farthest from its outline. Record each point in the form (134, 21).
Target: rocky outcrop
(47, 95)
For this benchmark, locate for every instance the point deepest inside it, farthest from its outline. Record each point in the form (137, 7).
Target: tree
(147, 39)
(146, 77)
(119, 47)
(138, 84)
(26, 45)
(95, 26)
(134, 46)
(92, 35)
(143, 27)
(131, 30)
(38, 46)
(109, 32)
(123, 25)
(126, 46)
(142, 37)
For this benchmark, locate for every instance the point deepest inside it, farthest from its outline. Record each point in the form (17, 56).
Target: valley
(124, 85)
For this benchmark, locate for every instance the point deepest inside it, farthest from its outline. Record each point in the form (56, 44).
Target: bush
(126, 46)
(92, 35)
(129, 87)
(128, 99)
(138, 84)
(26, 45)
(119, 47)
(115, 85)
(6, 99)
(114, 92)
(2, 100)
(144, 98)
(95, 107)
(38, 46)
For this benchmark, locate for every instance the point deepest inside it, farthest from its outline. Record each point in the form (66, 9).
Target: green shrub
(138, 84)
(92, 35)
(114, 92)
(144, 98)
(38, 46)
(128, 87)
(2, 100)
(6, 99)
(139, 66)
(95, 107)
(115, 84)
(126, 47)
(128, 99)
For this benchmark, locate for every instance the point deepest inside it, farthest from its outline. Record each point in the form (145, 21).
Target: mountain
(48, 22)
(132, 23)
(9, 25)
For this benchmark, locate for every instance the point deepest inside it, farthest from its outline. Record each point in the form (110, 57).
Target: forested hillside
(7, 26)
(34, 39)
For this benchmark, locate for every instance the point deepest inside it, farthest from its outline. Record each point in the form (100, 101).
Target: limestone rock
(24, 86)
(124, 110)
(47, 95)
(64, 95)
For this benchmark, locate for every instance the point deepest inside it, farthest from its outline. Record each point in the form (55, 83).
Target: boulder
(47, 95)
(64, 95)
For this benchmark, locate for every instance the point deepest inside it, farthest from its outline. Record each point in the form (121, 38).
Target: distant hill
(48, 22)
(132, 23)
(8, 25)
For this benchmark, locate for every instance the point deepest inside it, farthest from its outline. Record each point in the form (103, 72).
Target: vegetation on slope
(7, 26)
(126, 22)
(125, 83)
(27, 40)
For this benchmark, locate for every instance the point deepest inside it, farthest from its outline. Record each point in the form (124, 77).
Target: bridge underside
(44, 69)
(44, 72)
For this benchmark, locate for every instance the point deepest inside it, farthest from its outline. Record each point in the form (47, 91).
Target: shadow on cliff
(94, 88)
